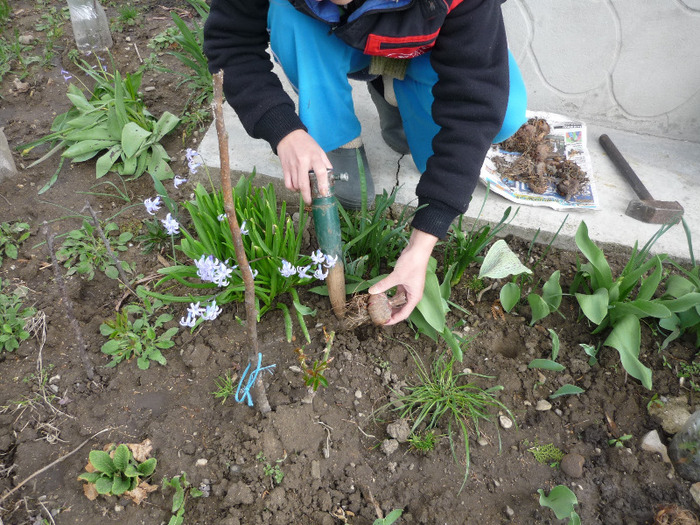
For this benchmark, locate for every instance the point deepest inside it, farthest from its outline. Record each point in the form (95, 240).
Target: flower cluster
(207, 313)
(212, 270)
(192, 163)
(321, 260)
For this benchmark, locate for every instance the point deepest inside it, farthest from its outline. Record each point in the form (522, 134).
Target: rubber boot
(349, 193)
(389, 121)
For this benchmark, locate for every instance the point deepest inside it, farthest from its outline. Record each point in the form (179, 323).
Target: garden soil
(332, 448)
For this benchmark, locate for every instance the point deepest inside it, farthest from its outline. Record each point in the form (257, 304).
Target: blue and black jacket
(468, 46)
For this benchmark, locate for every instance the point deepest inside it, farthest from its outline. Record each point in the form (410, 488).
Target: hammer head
(655, 212)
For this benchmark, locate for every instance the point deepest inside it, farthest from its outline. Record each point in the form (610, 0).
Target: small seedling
(13, 320)
(155, 239)
(225, 386)
(138, 338)
(11, 236)
(115, 471)
(424, 442)
(313, 375)
(620, 441)
(547, 454)
(561, 500)
(84, 251)
(183, 488)
(274, 472)
(390, 518)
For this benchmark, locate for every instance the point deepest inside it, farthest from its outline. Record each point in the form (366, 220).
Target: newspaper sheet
(566, 135)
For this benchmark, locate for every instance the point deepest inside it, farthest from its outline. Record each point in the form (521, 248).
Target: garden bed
(326, 461)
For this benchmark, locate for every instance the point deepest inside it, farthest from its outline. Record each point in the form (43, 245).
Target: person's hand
(300, 153)
(409, 274)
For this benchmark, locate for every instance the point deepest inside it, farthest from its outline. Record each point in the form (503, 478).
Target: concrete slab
(669, 168)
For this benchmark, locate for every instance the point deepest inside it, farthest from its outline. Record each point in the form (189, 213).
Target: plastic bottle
(90, 25)
(684, 450)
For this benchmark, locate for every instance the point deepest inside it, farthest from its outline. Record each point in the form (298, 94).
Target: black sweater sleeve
(235, 41)
(471, 59)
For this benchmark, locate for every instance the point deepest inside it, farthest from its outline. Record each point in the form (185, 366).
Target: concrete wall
(628, 64)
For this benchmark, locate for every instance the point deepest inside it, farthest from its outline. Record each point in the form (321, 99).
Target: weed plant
(114, 123)
(138, 338)
(84, 251)
(547, 454)
(12, 235)
(561, 500)
(127, 16)
(183, 489)
(13, 319)
(442, 394)
(225, 386)
(116, 474)
(155, 238)
(423, 442)
(274, 472)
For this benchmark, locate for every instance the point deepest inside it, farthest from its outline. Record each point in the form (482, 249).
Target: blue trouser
(317, 64)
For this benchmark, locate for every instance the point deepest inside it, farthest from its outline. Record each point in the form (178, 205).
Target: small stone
(558, 412)
(358, 394)
(543, 405)
(506, 422)
(315, 469)
(295, 369)
(695, 492)
(201, 462)
(509, 512)
(389, 446)
(149, 88)
(128, 39)
(25, 39)
(482, 441)
(673, 413)
(118, 508)
(572, 465)
(399, 430)
(651, 442)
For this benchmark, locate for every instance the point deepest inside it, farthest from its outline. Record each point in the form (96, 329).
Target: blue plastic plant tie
(251, 381)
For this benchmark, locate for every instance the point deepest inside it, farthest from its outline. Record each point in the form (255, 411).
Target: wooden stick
(258, 394)
(47, 467)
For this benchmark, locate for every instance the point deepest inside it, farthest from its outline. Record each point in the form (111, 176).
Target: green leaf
(133, 138)
(626, 339)
(595, 306)
(683, 303)
(651, 283)
(87, 147)
(432, 305)
(112, 272)
(551, 291)
(120, 485)
(602, 274)
(178, 497)
(166, 123)
(90, 477)
(105, 162)
(561, 500)
(546, 364)
(538, 307)
(102, 462)
(11, 251)
(555, 343)
(500, 261)
(567, 390)
(104, 485)
(147, 467)
(111, 347)
(121, 458)
(510, 295)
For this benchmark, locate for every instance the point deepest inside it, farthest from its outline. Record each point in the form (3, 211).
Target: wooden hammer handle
(626, 170)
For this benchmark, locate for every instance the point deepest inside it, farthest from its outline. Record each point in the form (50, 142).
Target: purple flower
(317, 257)
(66, 75)
(178, 181)
(152, 205)
(212, 312)
(330, 261)
(171, 225)
(189, 321)
(244, 230)
(320, 274)
(221, 217)
(192, 164)
(288, 269)
(302, 272)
